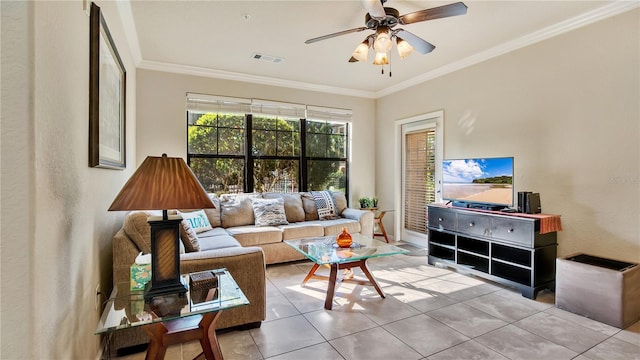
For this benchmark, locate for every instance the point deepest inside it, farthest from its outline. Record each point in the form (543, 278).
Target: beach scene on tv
(488, 180)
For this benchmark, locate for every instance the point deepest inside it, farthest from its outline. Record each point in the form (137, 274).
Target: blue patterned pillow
(197, 219)
(269, 212)
(326, 206)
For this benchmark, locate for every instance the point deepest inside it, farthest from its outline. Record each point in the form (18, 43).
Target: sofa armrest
(365, 218)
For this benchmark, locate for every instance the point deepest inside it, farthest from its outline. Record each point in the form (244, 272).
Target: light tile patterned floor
(429, 313)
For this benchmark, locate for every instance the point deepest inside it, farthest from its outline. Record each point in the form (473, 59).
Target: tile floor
(429, 313)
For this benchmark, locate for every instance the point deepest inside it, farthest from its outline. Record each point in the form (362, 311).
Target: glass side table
(174, 319)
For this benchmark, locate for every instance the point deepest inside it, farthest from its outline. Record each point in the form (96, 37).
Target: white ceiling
(218, 38)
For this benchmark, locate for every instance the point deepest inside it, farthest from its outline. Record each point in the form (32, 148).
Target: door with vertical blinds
(419, 181)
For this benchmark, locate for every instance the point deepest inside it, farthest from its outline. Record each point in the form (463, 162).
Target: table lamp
(162, 183)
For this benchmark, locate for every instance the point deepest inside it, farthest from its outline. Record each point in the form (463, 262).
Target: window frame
(248, 157)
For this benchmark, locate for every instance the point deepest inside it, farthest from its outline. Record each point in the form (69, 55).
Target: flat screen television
(480, 181)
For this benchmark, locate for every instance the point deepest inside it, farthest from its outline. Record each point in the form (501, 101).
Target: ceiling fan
(383, 20)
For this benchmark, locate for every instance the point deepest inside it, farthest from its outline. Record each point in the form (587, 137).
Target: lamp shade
(162, 183)
(381, 59)
(383, 41)
(404, 48)
(361, 52)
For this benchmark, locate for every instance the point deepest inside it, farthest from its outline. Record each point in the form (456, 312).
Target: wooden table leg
(328, 302)
(310, 274)
(372, 280)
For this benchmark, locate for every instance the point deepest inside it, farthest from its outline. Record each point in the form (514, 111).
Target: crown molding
(576, 22)
(253, 79)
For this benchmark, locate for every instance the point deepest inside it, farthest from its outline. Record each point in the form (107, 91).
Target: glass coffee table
(174, 319)
(324, 251)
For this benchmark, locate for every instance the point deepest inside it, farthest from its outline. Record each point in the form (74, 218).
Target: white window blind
(420, 178)
(328, 114)
(277, 108)
(217, 104)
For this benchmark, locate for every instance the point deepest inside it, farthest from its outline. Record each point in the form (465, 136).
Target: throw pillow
(214, 214)
(197, 219)
(340, 200)
(236, 210)
(189, 237)
(269, 212)
(325, 205)
(292, 205)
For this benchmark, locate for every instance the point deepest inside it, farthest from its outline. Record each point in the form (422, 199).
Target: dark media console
(497, 246)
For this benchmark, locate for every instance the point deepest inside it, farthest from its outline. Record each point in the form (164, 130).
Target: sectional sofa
(243, 233)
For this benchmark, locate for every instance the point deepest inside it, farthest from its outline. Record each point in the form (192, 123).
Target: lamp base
(163, 290)
(165, 259)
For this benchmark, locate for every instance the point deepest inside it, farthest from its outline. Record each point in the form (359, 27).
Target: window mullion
(248, 157)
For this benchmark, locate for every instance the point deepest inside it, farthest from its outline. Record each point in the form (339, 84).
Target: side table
(377, 221)
(173, 319)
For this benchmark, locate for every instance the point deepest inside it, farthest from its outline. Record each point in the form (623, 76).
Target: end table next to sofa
(173, 319)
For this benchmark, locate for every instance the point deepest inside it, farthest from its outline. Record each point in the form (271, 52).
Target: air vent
(268, 58)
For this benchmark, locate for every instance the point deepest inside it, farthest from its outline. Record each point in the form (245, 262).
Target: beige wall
(56, 231)
(162, 117)
(567, 110)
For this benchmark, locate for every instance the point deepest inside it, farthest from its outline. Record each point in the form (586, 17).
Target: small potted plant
(368, 203)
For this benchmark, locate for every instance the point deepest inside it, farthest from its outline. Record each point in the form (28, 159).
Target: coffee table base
(333, 278)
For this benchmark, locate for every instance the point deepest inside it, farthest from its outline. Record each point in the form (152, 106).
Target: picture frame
(107, 97)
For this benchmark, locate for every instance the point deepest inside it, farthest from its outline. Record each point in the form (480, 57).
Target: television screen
(478, 181)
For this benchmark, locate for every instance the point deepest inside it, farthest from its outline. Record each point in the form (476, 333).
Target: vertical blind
(420, 165)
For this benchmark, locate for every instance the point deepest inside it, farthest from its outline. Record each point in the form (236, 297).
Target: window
(240, 145)
(419, 178)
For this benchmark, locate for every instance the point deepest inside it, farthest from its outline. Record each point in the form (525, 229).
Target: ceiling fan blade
(421, 46)
(374, 8)
(454, 9)
(344, 32)
(353, 59)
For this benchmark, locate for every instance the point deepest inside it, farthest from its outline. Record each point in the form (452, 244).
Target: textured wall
(162, 117)
(567, 110)
(58, 238)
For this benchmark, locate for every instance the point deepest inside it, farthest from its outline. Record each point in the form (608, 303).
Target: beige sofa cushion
(301, 230)
(292, 205)
(236, 209)
(218, 242)
(309, 206)
(334, 227)
(254, 235)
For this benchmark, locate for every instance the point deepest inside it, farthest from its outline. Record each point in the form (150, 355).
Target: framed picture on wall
(107, 85)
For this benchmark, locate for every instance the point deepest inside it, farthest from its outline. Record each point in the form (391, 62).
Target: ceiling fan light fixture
(383, 41)
(362, 51)
(381, 59)
(404, 48)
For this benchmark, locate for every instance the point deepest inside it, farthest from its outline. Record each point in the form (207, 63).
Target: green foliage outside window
(216, 144)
